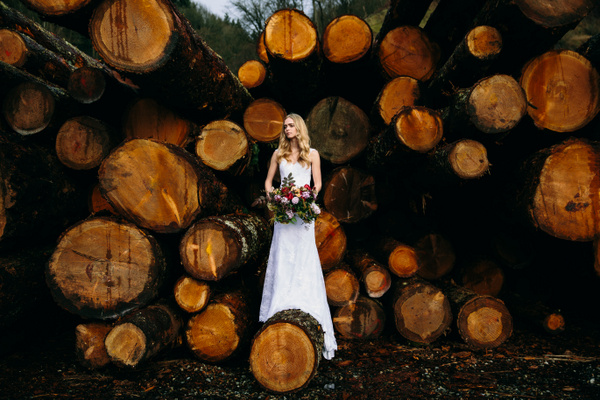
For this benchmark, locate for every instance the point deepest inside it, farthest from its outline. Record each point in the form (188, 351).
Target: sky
(217, 7)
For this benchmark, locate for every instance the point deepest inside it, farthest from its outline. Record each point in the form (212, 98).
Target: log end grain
(330, 239)
(223, 146)
(346, 39)
(263, 120)
(558, 14)
(28, 108)
(418, 128)
(349, 195)
(252, 74)
(87, 84)
(362, 319)
(191, 294)
(14, 50)
(342, 287)
(83, 142)
(397, 93)
(403, 261)
(89, 344)
(212, 334)
(484, 42)
(290, 35)
(436, 255)
(484, 322)
(468, 159)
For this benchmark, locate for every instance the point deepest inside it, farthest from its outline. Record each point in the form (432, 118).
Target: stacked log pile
(452, 152)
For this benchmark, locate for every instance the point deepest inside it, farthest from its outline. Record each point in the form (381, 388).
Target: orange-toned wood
(484, 42)
(192, 295)
(97, 203)
(362, 319)
(349, 194)
(374, 276)
(83, 142)
(331, 240)
(562, 89)
(436, 256)
(89, 344)
(463, 159)
(397, 93)
(346, 39)
(401, 259)
(222, 145)
(252, 74)
(14, 49)
(261, 50)
(263, 120)
(290, 35)
(342, 286)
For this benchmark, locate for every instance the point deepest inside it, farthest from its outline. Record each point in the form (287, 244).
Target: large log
(159, 50)
(286, 351)
(397, 93)
(331, 240)
(562, 90)
(72, 14)
(217, 246)
(143, 334)
(103, 269)
(363, 319)
(349, 194)
(342, 286)
(263, 120)
(224, 146)
(338, 129)
(221, 330)
(83, 142)
(421, 311)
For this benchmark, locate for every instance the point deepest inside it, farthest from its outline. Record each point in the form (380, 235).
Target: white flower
(295, 200)
(315, 208)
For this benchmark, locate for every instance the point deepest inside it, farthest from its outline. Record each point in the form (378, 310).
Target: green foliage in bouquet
(290, 202)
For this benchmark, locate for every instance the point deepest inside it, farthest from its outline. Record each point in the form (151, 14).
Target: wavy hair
(285, 150)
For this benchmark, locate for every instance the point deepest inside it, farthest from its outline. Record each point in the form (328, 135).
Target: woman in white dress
(294, 277)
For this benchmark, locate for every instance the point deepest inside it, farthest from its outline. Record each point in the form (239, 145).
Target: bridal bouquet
(291, 201)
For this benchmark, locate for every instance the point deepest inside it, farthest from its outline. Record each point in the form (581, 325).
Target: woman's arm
(315, 161)
(271, 174)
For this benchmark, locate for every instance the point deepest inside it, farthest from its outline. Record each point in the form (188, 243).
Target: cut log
(562, 89)
(146, 118)
(338, 129)
(400, 258)
(83, 142)
(535, 314)
(436, 256)
(362, 319)
(483, 276)
(143, 334)
(413, 130)
(294, 53)
(342, 286)
(349, 194)
(347, 39)
(421, 311)
(261, 49)
(252, 74)
(28, 108)
(217, 246)
(286, 351)
(89, 344)
(561, 189)
(263, 120)
(406, 50)
(397, 93)
(483, 322)
(159, 50)
(222, 145)
(462, 160)
(331, 240)
(493, 105)
(403, 12)
(103, 268)
(374, 276)
(192, 295)
(219, 331)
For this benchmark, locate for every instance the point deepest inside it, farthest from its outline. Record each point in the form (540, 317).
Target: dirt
(531, 364)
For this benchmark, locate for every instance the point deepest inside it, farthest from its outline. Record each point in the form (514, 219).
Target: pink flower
(290, 214)
(315, 208)
(284, 200)
(295, 200)
(305, 195)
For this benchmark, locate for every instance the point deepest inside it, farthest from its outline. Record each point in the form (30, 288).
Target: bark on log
(217, 246)
(143, 334)
(72, 14)
(261, 49)
(374, 276)
(349, 194)
(330, 239)
(401, 259)
(159, 50)
(363, 319)
(406, 50)
(192, 295)
(263, 120)
(146, 118)
(222, 145)
(562, 89)
(89, 344)
(436, 256)
(83, 142)
(397, 93)
(560, 190)
(421, 311)
(286, 351)
(103, 268)
(219, 331)
(483, 322)
(342, 286)
(338, 129)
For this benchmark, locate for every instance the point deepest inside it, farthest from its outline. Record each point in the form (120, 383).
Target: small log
(349, 194)
(374, 276)
(455, 162)
(406, 50)
(146, 118)
(338, 129)
(400, 258)
(286, 351)
(29, 108)
(263, 120)
(252, 74)
(192, 295)
(217, 246)
(103, 268)
(436, 256)
(222, 145)
(342, 286)
(83, 142)
(483, 322)
(330, 239)
(535, 314)
(89, 344)
(219, 331)
(562, 90)
(143, 334)
(421, 311)
(397, 93)
(362, 319)
(160, 51)
(483, 276)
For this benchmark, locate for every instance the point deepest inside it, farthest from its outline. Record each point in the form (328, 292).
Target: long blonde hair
(285, 150)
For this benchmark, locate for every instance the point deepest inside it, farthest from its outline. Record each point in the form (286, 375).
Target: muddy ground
(530, 365)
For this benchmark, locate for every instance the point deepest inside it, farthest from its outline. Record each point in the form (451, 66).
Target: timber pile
(450, 152)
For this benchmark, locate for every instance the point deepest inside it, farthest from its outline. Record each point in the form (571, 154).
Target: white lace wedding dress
(294, 278)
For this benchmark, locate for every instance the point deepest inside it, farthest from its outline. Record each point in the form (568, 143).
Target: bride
(294, 278)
